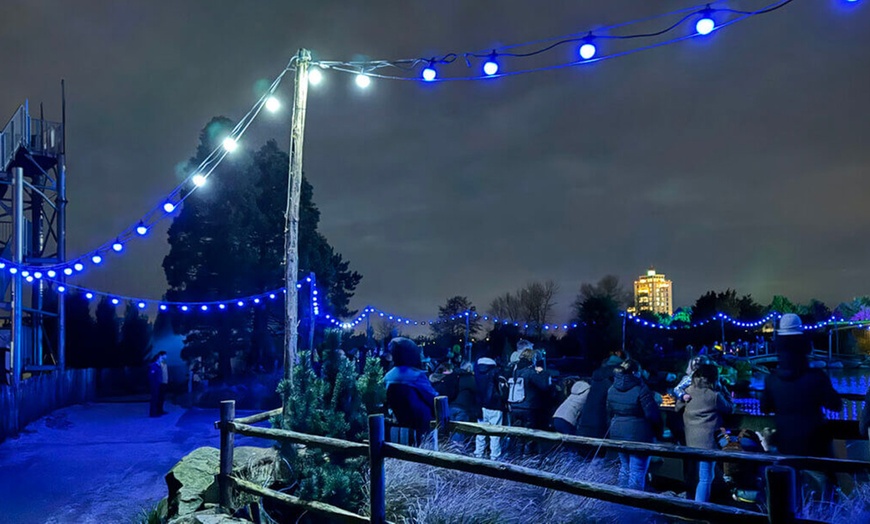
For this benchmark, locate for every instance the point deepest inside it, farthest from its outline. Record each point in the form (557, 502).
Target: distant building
(652, 292)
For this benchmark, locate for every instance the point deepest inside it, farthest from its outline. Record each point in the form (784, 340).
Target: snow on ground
(102, 462)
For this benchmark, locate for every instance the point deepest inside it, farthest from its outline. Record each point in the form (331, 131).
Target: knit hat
(406, 353)
(790, 324)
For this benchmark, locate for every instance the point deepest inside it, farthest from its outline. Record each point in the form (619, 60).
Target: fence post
(228, 413)
(442, 417)
(377, 492)
(781, 494)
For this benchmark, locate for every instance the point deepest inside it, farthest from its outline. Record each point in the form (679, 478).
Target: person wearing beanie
(796, 395)
(409, 393)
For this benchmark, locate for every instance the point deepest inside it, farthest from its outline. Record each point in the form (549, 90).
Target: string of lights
(370, 312)
(690, 22)
(169, 203)
(184, 306)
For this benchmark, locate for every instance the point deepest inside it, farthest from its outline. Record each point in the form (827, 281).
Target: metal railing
(780, 474)
(41, 137)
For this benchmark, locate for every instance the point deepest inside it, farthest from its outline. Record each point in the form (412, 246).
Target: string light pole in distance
(291, 217)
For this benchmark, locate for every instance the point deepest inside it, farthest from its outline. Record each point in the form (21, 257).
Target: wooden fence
(40, 395)
(780, 473)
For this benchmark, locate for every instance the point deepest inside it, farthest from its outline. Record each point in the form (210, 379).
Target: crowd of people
(616, 403)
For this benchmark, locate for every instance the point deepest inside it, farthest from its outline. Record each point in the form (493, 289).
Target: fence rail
(780, 474)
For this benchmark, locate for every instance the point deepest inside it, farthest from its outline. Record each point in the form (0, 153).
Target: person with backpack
(703, 405)
(634, 417)
(490, 398)
(528, 393)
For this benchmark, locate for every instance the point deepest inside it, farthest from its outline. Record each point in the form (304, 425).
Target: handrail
(665, 450)
(667, 505)
(780, 475)
(309, 505)
(259, 417)
(355, 449)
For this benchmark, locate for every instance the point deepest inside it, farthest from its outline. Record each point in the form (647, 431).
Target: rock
(209, 516)
(192, 483)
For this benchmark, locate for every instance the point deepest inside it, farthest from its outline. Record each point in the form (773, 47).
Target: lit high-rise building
(652, 292)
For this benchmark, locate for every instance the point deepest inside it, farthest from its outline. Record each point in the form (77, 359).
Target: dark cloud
(738, 160)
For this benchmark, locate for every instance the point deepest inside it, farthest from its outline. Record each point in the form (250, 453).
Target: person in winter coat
(686, 381)
(796, 395)
(568, 413)
(460, 389)
(530, 411)
(487, 378)
(155, 381)
(593, 419)
(635, 417)
(703, 409)
(409, 393)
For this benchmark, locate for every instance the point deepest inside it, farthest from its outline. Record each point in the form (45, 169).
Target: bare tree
(531, 304)
(385, 328)
(508, 307)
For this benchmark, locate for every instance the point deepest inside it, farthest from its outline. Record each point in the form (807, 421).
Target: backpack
(743, 440)
(516, 389)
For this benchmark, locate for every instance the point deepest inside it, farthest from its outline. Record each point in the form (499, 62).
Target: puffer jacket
(633, 411)
(570, 409)
(702, 415)
(486, 378)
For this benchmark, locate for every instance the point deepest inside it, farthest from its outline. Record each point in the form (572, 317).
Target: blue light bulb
(117, 247)
(141, 305)
(13, 270)
(705, 26)
(141, 230)
(61, 289)
(429, 73)
(184, 308)
(204, 307)
(169, 207)
(67, 271)
(587, 51)
(89, 296)
(78, 266)
(115, 301)
(491, 66)
(51, 273)
(96, 259)
(162, 307)
(37, 275)
(222, 306)
(256, 301)
(240, 303)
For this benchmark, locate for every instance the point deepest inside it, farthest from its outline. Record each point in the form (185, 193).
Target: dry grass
(843, 509)
(423, 494)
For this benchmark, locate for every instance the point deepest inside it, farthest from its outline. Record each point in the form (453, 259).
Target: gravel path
(98, 463)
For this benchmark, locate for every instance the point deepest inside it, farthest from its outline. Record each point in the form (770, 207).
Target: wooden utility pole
(291, 224)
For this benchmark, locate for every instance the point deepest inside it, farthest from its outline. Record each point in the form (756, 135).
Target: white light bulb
(169, 207)
(230, 144)
(490, 67)
(429, 74)
(142, 230)
(705, 26)
(273, 104)
(587, 51)
(314, 75)
(198, 180)
(363, 81)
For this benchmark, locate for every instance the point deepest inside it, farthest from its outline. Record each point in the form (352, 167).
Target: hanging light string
(169, 203)
(371, 312)
(184, 306)
(707, 19)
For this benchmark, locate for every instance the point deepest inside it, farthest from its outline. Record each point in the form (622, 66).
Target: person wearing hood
(568, 413)
(797, 395)
(703, 406)
(487, 379)
(634, 417)
(529, 411)
(409, 393)
(593, 419)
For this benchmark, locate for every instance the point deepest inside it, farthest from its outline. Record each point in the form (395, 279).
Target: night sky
(738, 160)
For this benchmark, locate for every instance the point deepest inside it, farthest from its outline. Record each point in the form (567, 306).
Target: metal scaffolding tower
(33, 233)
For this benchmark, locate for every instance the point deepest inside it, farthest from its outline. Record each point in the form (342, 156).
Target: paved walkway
(98, 463)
